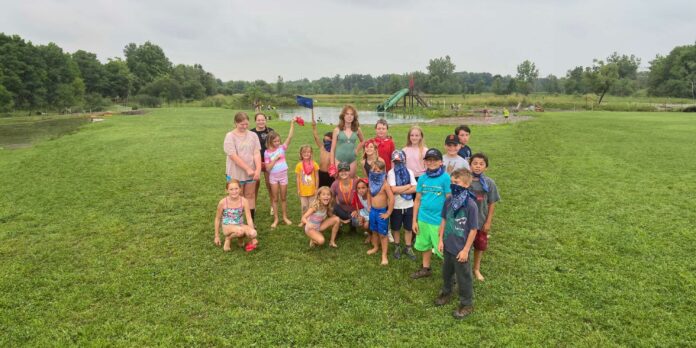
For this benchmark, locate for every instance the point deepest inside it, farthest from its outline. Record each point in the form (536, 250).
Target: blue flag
(306, 102)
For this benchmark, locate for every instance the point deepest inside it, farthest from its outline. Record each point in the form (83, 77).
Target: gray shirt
(484, 199)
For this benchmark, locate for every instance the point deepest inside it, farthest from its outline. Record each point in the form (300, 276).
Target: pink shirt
(245, 146)
(414, 160)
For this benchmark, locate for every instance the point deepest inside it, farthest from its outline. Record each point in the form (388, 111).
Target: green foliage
(145, 100)
(146, 62)
(527, 73)
(675, 74)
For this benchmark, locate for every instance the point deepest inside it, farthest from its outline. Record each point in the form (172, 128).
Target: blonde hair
(342, 122)
(241, 116)
(302, 148)
(316, 204)
(462, 173)
(270, 137)
(421, 145)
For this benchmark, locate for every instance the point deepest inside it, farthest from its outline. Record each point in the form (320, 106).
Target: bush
(147, 101)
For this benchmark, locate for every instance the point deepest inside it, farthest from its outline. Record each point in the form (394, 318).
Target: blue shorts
(241, 182)
(377, 224)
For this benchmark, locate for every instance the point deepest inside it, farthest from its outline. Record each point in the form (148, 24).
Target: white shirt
(401, 202)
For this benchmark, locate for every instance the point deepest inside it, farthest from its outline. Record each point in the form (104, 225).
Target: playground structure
(408, 95)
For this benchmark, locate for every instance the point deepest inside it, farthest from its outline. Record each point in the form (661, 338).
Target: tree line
(44, 77)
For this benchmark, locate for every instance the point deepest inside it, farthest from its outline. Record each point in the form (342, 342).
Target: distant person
(382, 200)
(457, 234)
(463, 132)
(452, 161)
(506, 113)
(231, 211)
(243, 158)
(274, 160)
(319, 217)
(486, 198)
(384, 142)
(307, 178)
(261, 131)
(324, 145)
(415, 150)
(346, 139)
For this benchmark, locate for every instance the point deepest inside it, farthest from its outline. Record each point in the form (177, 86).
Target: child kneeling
(319, 217)
(231, 211)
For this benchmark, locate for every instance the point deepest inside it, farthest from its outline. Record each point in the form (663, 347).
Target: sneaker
(391, 238)
(397, 251)
(410, 254)
(462, 311)
(443, 299)
(422, 273)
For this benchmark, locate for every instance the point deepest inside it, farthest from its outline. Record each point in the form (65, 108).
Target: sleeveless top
(317, 217)
(232, 216)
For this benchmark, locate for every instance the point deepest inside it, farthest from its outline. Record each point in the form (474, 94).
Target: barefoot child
(324, 154)
(432, 189)
(403, 186)
(457, 234)
(346, 139)
(274, 159)
(382, 201)
(319, 216)
(307, 180)
(415, 150)
(370, 156)
(361, 203)
(486, 197)
(230, 211)
(344, 189)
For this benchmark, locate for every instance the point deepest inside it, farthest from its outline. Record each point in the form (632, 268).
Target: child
(277, 167)
(324, 154)
(415, 149)
(384, 142)
(486, 196)
(463, 132)
(370, 156)
(457, 233)
(344, 140)
(230, 211)
(452, 160)
(382, 201)
(361, 203)
(319, 216)
(431, 191)
(307, 180)
(261, 131)
(343, 189)
(403, 186)
(243, 158)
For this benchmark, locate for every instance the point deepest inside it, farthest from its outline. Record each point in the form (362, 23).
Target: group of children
(447, 201)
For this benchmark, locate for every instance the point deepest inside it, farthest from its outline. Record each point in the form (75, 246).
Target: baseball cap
(433, 153)
(343, 166)
(452, 140)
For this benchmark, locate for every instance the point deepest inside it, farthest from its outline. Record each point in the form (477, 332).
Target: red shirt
(385, 147)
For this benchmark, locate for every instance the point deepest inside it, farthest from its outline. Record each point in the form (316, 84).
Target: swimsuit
(345, 147)
(314, 220)
(232, 216)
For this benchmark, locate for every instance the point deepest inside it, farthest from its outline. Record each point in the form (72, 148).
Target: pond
(23, 133)
(329, 115)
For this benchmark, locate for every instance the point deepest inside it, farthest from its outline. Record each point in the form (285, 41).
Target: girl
(319, 217)
(262, 131)
(230, 211)
(243, 158)
(274, 159)
(361, 203)
(415, 150)
(343, 189)
(344, 144)
(307, 178)
(370, 156)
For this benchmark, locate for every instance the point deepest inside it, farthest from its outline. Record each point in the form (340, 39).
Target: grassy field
(106, 238)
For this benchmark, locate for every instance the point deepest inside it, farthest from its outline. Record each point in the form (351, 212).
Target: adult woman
(345, 138)
(243, 158)
(262, 132)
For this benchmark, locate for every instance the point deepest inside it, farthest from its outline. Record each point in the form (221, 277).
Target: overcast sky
(248, 40)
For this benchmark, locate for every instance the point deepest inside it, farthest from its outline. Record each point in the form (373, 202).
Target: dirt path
(478, 120)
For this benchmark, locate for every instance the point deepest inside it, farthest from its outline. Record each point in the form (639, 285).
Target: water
(329, 115)
(24, 133)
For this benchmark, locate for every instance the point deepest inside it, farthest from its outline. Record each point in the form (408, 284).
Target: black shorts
(401, 217)
(325, 179)
(342, 214)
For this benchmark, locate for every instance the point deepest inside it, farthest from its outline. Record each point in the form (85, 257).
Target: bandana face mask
(327, 145)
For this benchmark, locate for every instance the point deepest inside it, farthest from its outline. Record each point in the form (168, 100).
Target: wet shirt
(458, 224)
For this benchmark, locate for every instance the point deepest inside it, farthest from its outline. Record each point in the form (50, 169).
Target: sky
(249, 40)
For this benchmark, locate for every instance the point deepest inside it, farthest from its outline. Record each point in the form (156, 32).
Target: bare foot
(384, 262)
(479, 276)
(372, 251)
(274, 224)
(367, 240)
(311, 244)
(300, 224)
(287, 221)
(333, 244)
(227, 247)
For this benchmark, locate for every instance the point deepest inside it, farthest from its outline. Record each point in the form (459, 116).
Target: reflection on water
(329, 115)
(23, 134)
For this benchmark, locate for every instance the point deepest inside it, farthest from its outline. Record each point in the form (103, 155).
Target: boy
(432, 189)
(452, 160)
(403, 186)
(463, 132)
(324, 154)
(385, 144)
(457, 233)
(382, 206)
(486, 196)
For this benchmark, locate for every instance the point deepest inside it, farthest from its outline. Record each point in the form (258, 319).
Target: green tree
(91, 71)
(146, 62)
(118, 79)
(675, 74)
(573, 83)
(441, 71)
(527, 73)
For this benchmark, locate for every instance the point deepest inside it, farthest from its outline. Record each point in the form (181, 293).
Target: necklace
(346, 198)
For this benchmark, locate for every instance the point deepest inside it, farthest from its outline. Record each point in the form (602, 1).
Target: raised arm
(319, 143)
(290, 134)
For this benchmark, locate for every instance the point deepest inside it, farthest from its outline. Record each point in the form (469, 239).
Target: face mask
(456, 189)
(327, 145)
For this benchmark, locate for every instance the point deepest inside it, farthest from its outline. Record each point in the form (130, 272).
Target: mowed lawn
(106, 238)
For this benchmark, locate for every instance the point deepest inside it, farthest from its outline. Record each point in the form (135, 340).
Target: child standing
(324, 154)
(307, 180)
(415, 150)
(243, 159)
(452, 160)
(463, 132)
(382, 201)
(384, 142)
(457, 233)
(431, 191)
(370, 156)
(319, 216)
(486, 197)
(230, 211)
(346, 139)
(403, 186)
(274, 159)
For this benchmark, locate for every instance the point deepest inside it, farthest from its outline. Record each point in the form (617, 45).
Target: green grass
(106, 238)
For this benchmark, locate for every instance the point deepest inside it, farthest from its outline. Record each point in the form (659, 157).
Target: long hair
(342, 121)
(316, 204)
(311, 152)
(241, 116)
(421, 145)
(376, 154)
(270, 138)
